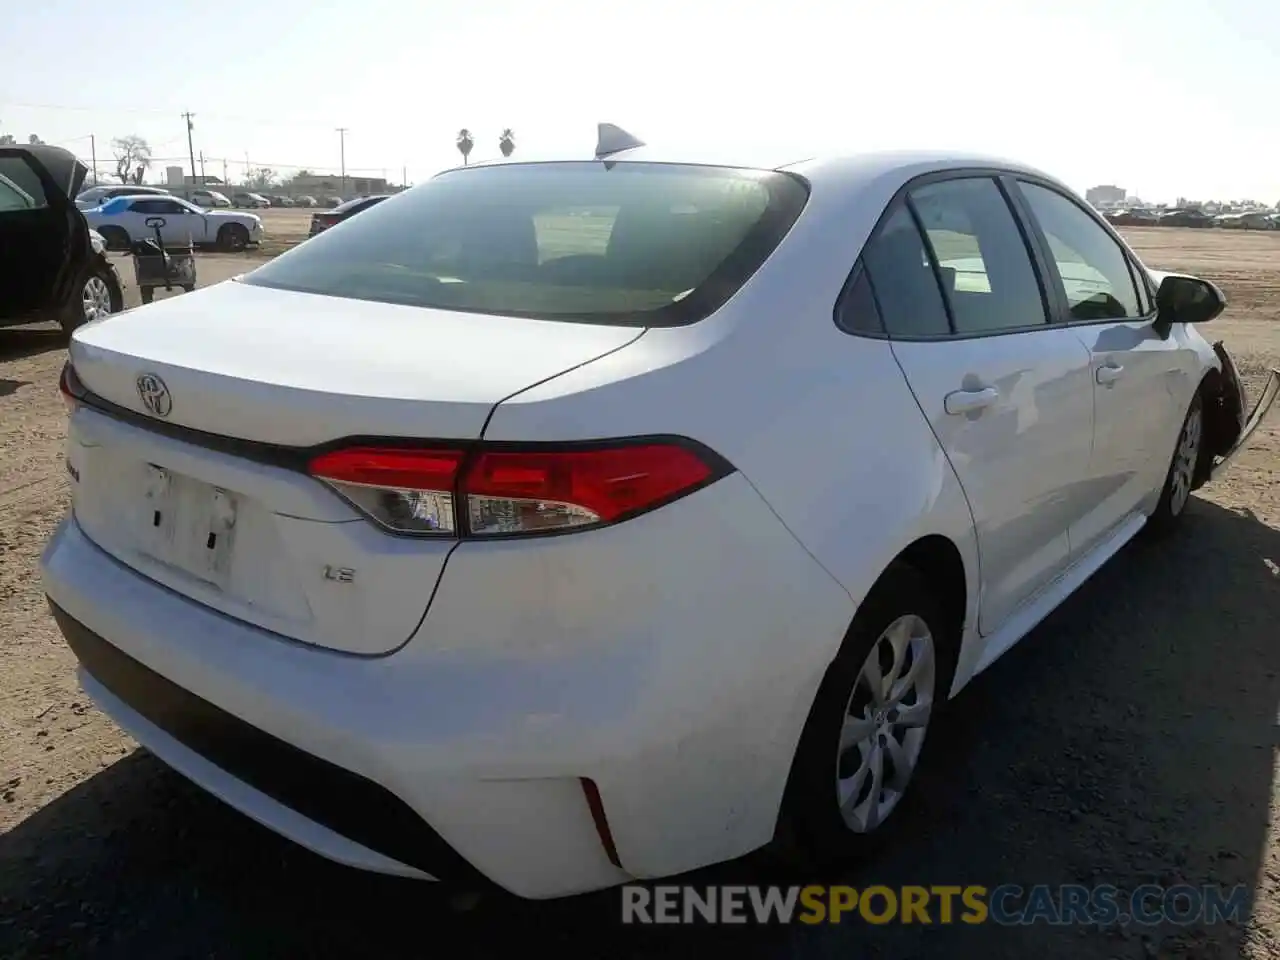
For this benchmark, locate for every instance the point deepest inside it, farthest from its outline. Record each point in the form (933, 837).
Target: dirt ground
(1130, 739)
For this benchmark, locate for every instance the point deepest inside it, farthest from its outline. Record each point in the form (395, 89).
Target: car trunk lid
(299, 369)
(198, 488)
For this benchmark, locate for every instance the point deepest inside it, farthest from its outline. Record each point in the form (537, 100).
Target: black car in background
(321, 222)
(1186, 218)
(51, 267)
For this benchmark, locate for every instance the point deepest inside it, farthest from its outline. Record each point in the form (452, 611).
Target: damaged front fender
(1227, 426)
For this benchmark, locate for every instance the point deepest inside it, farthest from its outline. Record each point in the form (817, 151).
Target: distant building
(178, 177)
(1105, 196)
(328, 184)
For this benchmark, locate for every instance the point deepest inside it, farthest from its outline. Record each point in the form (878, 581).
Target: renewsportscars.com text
(1006, 905)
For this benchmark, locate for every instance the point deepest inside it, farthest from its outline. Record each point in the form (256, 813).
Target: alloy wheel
(96, 298)
(885, 723)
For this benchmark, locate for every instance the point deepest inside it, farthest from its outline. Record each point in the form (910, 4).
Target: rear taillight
(69, 387)
(407, 491)
(508, 491)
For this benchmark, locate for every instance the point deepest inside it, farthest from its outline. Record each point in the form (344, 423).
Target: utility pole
(93, 152)
(342, 156)
(224, 171)
(201, 166)
(191, 150)
(404, 176)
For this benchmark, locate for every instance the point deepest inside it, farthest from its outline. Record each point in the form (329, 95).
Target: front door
(1142, 382)
(1007, 394)
(182, 226)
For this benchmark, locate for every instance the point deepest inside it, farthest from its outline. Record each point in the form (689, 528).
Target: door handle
(1109, 373)
(970, 401)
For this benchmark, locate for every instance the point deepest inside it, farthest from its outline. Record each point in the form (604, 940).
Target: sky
(1167, 99)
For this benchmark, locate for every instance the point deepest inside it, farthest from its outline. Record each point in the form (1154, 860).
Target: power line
(148, 111)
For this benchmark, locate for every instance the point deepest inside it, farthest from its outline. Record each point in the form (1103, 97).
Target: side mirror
(1186, 299)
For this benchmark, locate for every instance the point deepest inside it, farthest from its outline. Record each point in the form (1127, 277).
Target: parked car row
(211, 199)
(1192, 217)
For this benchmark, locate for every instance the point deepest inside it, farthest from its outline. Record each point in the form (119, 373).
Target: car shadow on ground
(1128, 740)
(18, 343)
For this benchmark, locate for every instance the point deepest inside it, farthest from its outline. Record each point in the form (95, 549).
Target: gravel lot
(1130, 739)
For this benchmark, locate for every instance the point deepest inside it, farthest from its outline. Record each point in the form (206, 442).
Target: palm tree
(465, 143)
(507, 142)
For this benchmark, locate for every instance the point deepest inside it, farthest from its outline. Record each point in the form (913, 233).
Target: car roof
(845, 168)
(143, 196)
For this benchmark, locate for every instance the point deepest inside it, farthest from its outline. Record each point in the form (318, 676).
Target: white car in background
(566, 523)
(125, 220)
(96, 196)
(209, 198)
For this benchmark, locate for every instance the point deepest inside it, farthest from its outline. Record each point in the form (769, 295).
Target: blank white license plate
(188, 524)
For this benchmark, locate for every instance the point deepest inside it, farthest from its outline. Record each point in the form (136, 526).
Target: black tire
(812, 830)
(147, 294)
(1172, 506)
(233, 238)
(116, 238)
(188, 287)
(78, 312)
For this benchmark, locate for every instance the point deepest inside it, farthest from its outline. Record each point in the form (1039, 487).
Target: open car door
(44, 239)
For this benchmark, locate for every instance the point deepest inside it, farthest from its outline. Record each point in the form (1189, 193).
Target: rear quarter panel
(820, 422)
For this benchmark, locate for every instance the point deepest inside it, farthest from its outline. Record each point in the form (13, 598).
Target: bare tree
(133, 156)
(507, 142)
(6, 140)
(34, 140)
(465, 143)
(261, 178)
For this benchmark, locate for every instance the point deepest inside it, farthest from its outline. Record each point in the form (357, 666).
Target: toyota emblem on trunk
(154, 395)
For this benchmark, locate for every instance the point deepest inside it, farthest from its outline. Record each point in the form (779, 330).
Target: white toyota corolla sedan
(562, 523)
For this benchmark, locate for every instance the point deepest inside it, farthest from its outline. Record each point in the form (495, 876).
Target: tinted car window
(981, 255)
(1145, 303)
(902, 280)
(21, 175)
(1093, 267)
(857, 311)
(148, 206)
(629, 243)
(13, 197)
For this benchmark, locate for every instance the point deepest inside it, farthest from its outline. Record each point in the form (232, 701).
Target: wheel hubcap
(96, 298)
(885, 723)
(1184, 463)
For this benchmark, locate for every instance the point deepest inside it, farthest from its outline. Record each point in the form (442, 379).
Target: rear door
(1007, 395)
(134, 219)
(1142, 382)
(44, 240)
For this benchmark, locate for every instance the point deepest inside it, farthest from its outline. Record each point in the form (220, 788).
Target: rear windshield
(625, 243)
(357, 202)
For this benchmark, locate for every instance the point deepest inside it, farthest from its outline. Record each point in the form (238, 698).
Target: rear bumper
(680, 695)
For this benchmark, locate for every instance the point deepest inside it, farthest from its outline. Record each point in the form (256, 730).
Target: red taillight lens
(407, 491)
(67, 388)
(512, 491)
(525, 492)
